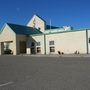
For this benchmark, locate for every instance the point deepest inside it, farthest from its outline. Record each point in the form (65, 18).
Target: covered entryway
(6, 47)
(7, 41)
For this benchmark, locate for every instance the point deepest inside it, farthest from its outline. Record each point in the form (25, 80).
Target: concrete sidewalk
(56, 55)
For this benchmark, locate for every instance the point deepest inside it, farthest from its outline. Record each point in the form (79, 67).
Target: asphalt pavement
(44, 73)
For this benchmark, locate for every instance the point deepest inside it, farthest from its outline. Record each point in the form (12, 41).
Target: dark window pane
(38, 43)
(32, 44)
(38, 50)
(51, 42)
(52, 49)
(89, 40)
(33, 51)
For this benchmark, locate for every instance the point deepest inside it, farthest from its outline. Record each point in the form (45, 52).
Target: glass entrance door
(33, 51)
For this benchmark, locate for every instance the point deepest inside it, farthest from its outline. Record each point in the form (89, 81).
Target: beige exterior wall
(8, 35)
(35, 39)
(38, 22)
(67, 42)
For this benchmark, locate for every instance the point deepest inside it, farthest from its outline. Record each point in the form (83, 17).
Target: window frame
(52, 49)
(38, 43)
(32, 44)
(52, 42)
(38, 50)
(89, 39)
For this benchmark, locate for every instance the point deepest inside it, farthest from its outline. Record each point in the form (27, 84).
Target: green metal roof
(23, 30)
(52, 27)
(61, 30)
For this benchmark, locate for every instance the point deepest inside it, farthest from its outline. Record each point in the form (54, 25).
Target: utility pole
(50, 24)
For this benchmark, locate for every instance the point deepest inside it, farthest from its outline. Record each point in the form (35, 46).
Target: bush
(76, 52)
(60, 53)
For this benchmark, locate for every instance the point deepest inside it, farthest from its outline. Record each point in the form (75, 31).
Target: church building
(39, 38)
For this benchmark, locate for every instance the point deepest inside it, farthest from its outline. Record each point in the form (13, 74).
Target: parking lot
(44, 73)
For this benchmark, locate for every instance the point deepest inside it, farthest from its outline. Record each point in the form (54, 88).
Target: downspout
(44, 44)
(87, 41)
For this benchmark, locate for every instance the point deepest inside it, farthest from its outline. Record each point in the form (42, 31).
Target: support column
(44, 44)
(28, 51)
(1, 48)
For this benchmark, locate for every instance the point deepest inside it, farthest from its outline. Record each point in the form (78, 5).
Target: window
(51, 46)
(33, 51)
(52, 49)
(38, 50)
(51, 42)
(32, 44)
(89, 40)
(38, 44)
